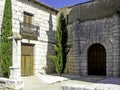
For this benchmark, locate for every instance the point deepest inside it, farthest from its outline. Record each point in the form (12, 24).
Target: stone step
(2, 86)
(72, 86)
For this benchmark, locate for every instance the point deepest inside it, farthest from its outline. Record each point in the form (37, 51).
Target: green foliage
(65, 47)
(60, 46)
(6, 46)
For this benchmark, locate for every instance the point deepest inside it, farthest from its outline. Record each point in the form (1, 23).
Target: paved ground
(35, 83)
(110, 81)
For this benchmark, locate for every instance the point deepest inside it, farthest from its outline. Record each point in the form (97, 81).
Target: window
(28, 18)
(27, 29)
(27, 21)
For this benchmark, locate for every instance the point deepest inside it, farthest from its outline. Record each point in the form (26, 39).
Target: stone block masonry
(87, 27)
(72, 86)
(88, 33)
(45, 18)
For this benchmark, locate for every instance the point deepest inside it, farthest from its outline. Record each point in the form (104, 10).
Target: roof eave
(41, 4)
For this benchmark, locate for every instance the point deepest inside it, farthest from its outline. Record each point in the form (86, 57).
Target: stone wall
(82, 35)
(95, 9)
(43, 17)
(46, 20)
(2, 86)
(97, 21)
(116, 46)
(86, 26)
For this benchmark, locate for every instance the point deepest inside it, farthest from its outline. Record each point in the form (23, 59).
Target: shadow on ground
(96, 79)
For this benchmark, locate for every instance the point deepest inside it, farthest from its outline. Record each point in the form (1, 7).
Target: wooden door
(27, 60)
(97, 60)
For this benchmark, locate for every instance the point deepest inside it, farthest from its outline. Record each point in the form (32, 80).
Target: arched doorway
(97, 60)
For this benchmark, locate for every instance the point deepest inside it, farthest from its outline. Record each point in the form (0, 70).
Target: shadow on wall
(50, 51)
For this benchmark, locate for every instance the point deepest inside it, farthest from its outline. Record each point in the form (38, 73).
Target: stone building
(94, 37)
(34, 24)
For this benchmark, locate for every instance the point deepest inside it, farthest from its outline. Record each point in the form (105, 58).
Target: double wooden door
(27, 60)
(97, 60)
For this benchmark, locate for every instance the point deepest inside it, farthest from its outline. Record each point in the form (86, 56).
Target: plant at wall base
(60, 46)
(6, 46)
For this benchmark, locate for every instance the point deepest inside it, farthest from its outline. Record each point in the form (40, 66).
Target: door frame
(88, 51)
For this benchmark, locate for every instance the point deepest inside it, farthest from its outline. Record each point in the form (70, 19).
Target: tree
(65, 47)
(6, 46)
(60, 46)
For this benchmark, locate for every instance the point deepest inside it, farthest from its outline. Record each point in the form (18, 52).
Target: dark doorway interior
(97, 60)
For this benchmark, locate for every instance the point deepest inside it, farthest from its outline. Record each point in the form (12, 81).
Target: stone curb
(72, 86)
(3, 80)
